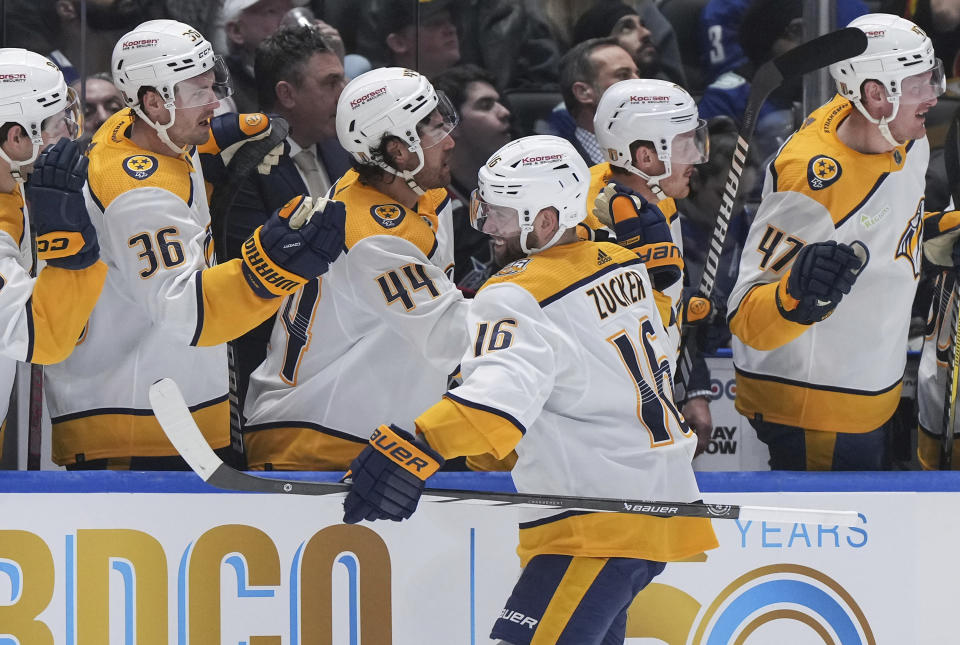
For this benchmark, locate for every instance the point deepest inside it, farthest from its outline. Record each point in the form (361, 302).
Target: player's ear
(644, 158)
(285, 92)
(397, 153)
(873, 96)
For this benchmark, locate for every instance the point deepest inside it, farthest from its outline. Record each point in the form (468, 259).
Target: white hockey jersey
(375, 338)
(162, 313)
(570, 366)
(843, 373)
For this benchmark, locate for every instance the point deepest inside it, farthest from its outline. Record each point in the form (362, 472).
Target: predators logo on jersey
(140, 166)
(515, 267)
(388, 215)
(822, 171)
(909, 246)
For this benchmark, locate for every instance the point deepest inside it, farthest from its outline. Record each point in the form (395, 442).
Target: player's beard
(509, 252)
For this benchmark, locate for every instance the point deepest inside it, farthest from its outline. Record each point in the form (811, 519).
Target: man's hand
(389, 476)
(54, 193)
(941, 238)
(297, 244)
(229, 132)
(697, 413)
(641, 227)
(822, 273)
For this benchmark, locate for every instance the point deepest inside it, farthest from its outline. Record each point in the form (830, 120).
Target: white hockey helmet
(392, 101)
(661, 112)
(900, 57)
(524, 177)
(160, 54)
(34, 95)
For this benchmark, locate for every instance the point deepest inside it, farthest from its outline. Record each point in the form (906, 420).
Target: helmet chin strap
(653, 182)
(15, 166)
(883, 123)
(531, 250)
(407, 175)
(161, 130)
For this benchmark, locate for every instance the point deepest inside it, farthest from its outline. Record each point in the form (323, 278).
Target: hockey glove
(822, 273)
(941, 238)
(697, 310)
(65, 236)
(297, 244)
(228, 133)
(641, 227)
(389, 476)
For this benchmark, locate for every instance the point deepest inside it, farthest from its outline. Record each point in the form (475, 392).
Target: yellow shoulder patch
(551, 272)
(816, 163)
(117, 165)
(370, 212)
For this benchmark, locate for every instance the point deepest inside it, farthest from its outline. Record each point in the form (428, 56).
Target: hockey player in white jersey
(378, 336)
(568, 364)
(41, 317)
(164, 311)
(652, 136)
(821, 308)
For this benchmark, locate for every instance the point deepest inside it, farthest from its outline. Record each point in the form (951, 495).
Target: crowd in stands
(509, 67)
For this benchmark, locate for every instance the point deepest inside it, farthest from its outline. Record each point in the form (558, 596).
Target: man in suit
(299, 78)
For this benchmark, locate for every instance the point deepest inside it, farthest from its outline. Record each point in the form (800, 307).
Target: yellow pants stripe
(820, 446)
(572, 588)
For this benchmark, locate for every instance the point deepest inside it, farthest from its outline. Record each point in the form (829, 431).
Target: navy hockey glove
(641, 227)
(389, 476)
(228, 133)
(821, 275)
(297, 244)
(65, 236)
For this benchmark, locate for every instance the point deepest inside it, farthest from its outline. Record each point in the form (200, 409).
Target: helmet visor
(692, 146)
(66, 123)
(439, 123)
(492, 219)
(924, 86)
(204, 89)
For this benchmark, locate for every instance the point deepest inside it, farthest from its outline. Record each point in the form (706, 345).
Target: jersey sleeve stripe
(30, 330)
(856, 208)
(486, 408)
(815, 386)
(198, 279)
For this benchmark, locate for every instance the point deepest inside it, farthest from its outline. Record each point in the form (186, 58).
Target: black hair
(576, 67)
(282, 56)
(454, 82)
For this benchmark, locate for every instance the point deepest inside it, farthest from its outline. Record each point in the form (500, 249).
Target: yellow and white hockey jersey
(570, 366)
(600, 176)
(375, 338)
(843, 373)
(162, 313)
(40, 318)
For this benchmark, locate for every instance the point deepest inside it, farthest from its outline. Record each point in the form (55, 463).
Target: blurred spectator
(586, 71)
(484, 129)
(720, 33)
(429, 49)
(299, 78)
(52, 28)
(511, 39)
(101, 99)
(619, 21)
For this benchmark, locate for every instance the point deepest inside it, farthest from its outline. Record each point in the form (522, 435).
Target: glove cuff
(399, 446)
(265, 277)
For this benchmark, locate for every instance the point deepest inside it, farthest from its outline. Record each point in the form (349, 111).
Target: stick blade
(182, 431)
(823, 51)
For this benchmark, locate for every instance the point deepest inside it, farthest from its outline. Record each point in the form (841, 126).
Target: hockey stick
(243, 163)
(175, 419)
(35, 397)
(951, 160)
(808, 57)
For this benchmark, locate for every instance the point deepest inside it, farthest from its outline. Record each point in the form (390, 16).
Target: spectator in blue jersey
(720, 49)
(586, 71)
(484, 129)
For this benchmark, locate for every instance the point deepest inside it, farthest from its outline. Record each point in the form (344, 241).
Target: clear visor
(204, 89)
(924, 86)
(66, 123)
(491, 219)
(439, 123)
(691, 147)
